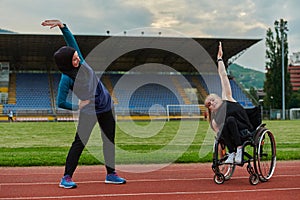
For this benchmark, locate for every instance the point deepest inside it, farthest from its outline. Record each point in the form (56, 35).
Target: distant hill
(5, 31)
(247, 77)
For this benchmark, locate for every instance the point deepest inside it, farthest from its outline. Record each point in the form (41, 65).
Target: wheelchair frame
(263, 158)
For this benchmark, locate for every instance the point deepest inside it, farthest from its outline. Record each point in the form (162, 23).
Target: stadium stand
(239, 95)
(139, 100)
(32, 92)
(36, 94)
(33, 78)
(33, 95)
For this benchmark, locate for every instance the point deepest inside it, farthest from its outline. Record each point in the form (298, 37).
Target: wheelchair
(259, 153)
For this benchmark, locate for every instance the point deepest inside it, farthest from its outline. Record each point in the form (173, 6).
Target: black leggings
(230, 134)
(85, 126)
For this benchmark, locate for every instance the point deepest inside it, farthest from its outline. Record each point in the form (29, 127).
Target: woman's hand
(220, 52)
(83, 103)
(53, 23)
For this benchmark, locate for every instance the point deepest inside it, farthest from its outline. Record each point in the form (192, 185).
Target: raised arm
(66, 82)
(226, 88)
(68, 36)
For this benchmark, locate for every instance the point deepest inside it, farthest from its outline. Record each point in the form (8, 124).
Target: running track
(177, 181)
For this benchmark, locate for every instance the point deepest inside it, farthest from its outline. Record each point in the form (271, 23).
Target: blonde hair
(209, 117)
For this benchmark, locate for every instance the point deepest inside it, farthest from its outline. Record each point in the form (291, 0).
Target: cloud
(194, 18)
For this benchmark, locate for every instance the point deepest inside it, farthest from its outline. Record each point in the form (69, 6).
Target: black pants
(10, 119)
(231, 134)
(85, 126)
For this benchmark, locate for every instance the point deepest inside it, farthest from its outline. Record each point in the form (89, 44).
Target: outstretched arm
(68, 36)
(66, 83)
(226, 88)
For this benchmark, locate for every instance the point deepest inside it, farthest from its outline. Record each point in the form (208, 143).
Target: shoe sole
(67, 187)
(112, 182)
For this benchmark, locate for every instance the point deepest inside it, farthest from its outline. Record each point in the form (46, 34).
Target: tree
(295, 100)
(273, 82)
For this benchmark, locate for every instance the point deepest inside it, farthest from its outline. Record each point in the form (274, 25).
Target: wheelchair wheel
(227, 170)
(219, 178)
(220, 156)
(265, 159)
(253, 179)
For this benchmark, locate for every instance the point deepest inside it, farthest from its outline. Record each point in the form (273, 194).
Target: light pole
(282, 28)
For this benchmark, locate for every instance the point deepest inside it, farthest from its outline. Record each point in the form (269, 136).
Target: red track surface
(177, 181)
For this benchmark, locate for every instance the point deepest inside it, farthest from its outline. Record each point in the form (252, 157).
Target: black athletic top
(234, 109)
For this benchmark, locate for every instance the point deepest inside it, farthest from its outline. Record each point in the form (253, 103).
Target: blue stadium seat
(32, 92)
(138, 93)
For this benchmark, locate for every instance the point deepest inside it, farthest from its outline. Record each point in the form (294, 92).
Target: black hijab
(63, 59)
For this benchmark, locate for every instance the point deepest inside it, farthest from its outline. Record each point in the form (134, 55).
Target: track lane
(177, 181)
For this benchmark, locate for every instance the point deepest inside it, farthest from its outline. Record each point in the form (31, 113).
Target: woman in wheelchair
(226, 116)
(237, 128)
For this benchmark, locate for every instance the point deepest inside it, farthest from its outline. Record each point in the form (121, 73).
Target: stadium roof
(27, 52)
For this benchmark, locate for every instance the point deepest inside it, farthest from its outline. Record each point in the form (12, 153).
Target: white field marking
(133, 180)
(87, 182)
(98, 171)
(154, 194)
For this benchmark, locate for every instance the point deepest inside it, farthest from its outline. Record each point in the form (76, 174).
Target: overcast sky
(191, 18)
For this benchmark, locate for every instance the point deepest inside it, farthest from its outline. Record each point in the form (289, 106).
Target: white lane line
(86, 182)
(132, 180)
(154, 194)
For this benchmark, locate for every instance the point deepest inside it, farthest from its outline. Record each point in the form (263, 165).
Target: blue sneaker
(113, 178)
(66, 182)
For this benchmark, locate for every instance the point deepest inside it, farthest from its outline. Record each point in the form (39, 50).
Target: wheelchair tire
(227, 170)
(265, 155)
(219, 178)
(218, 167)
(254, 179)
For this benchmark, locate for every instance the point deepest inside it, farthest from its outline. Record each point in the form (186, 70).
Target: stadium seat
(138, 94)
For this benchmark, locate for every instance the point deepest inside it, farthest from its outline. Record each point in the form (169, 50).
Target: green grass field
(47, 143)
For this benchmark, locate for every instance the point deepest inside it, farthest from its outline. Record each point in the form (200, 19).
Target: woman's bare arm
(226, 88)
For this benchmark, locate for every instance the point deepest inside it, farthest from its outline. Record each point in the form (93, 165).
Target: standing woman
(226, 116)
(95, 105)
(10, 116)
